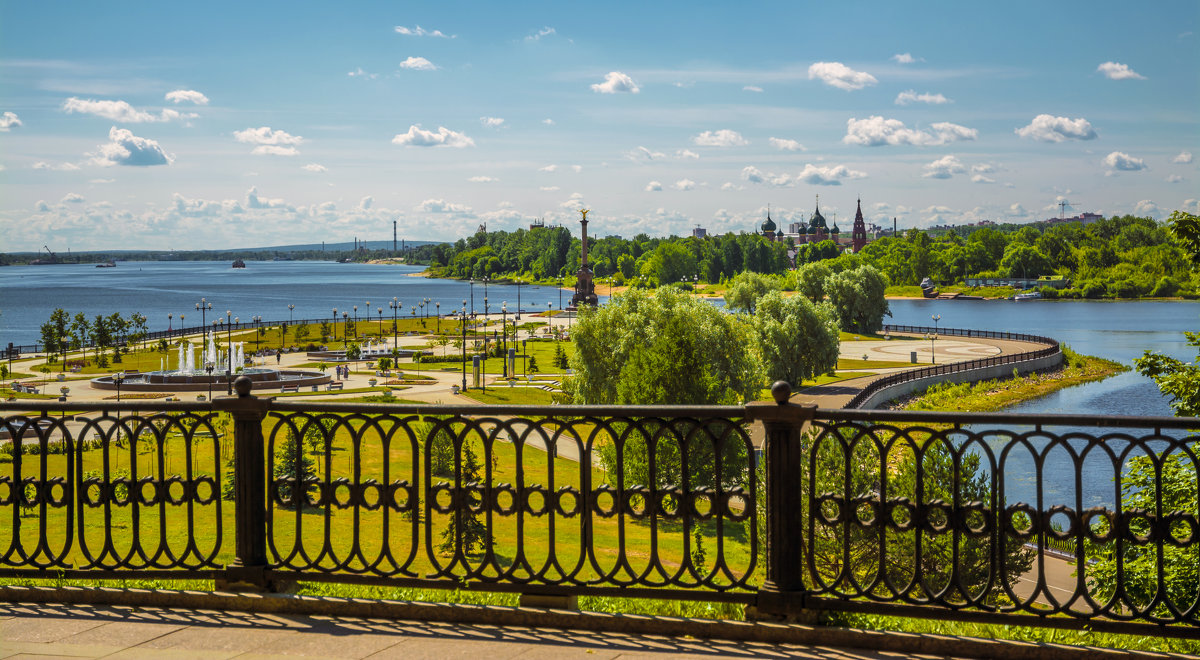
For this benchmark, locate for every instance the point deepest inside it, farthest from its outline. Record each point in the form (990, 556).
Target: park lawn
(858, 363)
(290, 530)
(502, 394)
(844, 336)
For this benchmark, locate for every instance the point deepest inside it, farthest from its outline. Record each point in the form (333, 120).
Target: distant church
(818, 230)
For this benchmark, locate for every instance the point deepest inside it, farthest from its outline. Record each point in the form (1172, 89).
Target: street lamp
(170, 327)
(421, 304)
(229, 349)
(504, 339)
(932, 337)
(483, 381)
(379, 311)
(291, 308)
(472, 296)
(203, 306)
(439, 317)
(209, 368)
(257, 326)
(936, 318)
(518, 316)
(464, 346)
(395, 305)
(356, 321)
(346, 328)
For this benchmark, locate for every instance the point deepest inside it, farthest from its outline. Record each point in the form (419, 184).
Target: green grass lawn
(501, 394)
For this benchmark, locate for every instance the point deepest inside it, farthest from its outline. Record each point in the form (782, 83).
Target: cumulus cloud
(1017, 210)
(644, 153)
(359, 73)
(549, 168)
(721, 138)
(544, 32)
(73, 198)
(60, 167)
(784, 144)
(1119, 160)
(979, 178)
(729, 185)
(125, 148)
(1118, 71)
(875, 131)
(120, 111)
(836, 74)
(616, 82)
(187, 96)
(903, 58)
(1191, 206)
(548, 188)
(274, 150)
(418, 64)
(1174, 178)
(548, 121)
(41, 206)
(482, 179)
(654, 186)
(944, 168)
(1048, 128)
(314, 167)
(419, 31)
(491, 122)
(253, 201)
(269, 142)
(444, 137)
(1147, 208)
(365, 203)
(811, 174)
(752, 88)
(684, 184)
(686, 154)
(442, 206)
(577, 168)
(1184, 157)
(8, 120)
(911, 96)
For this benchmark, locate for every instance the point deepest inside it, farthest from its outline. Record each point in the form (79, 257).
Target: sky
(218, 125)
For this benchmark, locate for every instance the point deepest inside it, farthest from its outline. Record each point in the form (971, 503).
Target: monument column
(585, 289)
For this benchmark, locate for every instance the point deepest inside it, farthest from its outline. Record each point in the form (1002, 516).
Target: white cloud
(684, 184)
(274, 150)
(1119, 160)
(1147, 208)
(811, 174)
(442, 206)
(944, 168)
(120, 111)
(1174, 178)
(836, 74)
(1017, 210)
(444, 137)
(721, 138)
(644, 153)
(979, 178)
(365, 203)
(1048, 128)
(577, 168)
(125, 148)
(418, 64)
(1184, 157)
(188, 96)
(548, 188)
(686, 154)
(8, 120)
(752, 88)
(983, 168)
(482, 179)
(419, 31)
(264, 135)
(784, 144)
(1191, 206)
(616, 82)
(875, 131)
(359, 73)
(903, 58)
(549, 168)
(548, 121)
(314, 167)
(544, 32)
(72, 198)
(654, 186)
(41, 206)
(60, 167)
(729, 185)
(491, 122)
(911, 96)
(253, 201)
(574, 202)
(1117, 71)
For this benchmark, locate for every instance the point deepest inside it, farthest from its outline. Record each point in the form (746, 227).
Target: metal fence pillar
(782, 594)
(247, 571)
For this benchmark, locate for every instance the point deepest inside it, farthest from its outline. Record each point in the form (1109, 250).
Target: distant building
(699, 232)
(537, 224)
(858, 236)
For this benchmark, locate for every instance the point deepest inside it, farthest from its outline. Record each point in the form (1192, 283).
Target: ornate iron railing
(913, 514)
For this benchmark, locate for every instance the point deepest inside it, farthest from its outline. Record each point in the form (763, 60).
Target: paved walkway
(75, 631)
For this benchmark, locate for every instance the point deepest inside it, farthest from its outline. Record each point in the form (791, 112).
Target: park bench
(289, 388)
(333, 386)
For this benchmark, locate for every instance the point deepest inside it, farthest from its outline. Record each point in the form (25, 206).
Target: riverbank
(997, 395)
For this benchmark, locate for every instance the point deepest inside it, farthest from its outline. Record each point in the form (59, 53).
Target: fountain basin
(182, 381)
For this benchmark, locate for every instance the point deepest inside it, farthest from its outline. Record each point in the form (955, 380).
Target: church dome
(768, 225)
(818, 220)
(835, 229)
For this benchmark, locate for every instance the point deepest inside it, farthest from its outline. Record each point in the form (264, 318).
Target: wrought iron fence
(914, 514)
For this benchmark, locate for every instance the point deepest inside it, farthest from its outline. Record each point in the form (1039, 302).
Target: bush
(1165, 288)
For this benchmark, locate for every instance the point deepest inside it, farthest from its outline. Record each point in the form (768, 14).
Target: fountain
(191, 375)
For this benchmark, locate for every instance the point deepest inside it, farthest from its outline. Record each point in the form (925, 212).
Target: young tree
(80, 332)
(745, 290)
(56, 335)
(294, 472)
(464, 530)
(799, 339)
(858, 297)
(810, 280)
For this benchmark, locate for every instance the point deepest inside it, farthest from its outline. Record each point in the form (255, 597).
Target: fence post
(782, 594)
(247, 571)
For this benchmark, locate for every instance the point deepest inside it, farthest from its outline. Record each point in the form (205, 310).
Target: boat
(928, 288)
(239, 264)
(107, 264)
(1028, 295)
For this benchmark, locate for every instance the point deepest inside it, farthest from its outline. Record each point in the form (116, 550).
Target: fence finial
(781, 391)
(242, 385)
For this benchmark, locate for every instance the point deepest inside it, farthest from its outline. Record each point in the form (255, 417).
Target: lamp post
(525, 356)
(203, 306)
(504, 338)
(356, 321)
(229, 349)
(395, 305)
(257, 326)
(518, 316)
(439, 317)
(936, 318)
(346, 328)
(170, 327)
(483, 381)
(472, 296)
(421, 304)
(464, 346)
(291, 308)
(335, 323)
(379, 312)
(209, 368)
(932, 337)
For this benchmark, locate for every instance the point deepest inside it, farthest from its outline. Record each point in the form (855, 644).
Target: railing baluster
(247, 570)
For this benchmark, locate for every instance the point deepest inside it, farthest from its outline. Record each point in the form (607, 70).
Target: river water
(1119, 331)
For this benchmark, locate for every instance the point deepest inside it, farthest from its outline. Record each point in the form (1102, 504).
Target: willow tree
(798, 339)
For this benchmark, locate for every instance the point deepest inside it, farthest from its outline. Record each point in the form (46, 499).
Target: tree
(858, 298)
(798, 339)
(1186, 229)
(80, 331)
(745, 290)
(810, 280)
(56, 334)
(294, 471)
(665, 348)
(532, 367)
(464, 529)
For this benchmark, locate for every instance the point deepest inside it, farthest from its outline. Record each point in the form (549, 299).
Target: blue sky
(165, 125)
